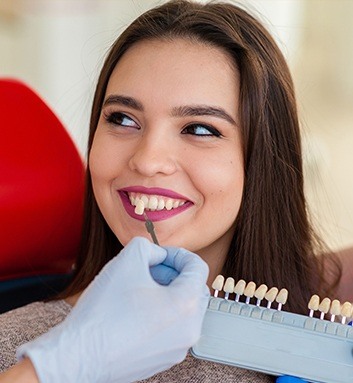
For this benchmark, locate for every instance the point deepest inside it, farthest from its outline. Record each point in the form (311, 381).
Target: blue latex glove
(289, 379)
(125, 326)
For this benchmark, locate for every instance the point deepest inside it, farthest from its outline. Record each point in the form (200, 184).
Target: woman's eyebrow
(123, 100)
(202, 110)
(178, 111)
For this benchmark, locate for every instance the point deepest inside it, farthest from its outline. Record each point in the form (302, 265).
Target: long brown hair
(273, 241)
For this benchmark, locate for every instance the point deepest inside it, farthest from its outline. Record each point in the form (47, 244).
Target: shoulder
(27, 323)
(193, 370)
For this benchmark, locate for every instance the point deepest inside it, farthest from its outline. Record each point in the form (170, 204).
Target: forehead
(176, 68)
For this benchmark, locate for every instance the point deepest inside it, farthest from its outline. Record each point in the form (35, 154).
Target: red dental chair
(41, 198)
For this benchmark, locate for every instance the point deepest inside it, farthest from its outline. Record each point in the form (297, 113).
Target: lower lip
(157, 215)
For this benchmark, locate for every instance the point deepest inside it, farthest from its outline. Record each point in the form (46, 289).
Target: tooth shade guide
(140, 207)
(217, 285)
(249, 291)
(228, 287)
(239, 289)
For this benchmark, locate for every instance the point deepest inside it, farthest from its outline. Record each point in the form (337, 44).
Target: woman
(195, 114)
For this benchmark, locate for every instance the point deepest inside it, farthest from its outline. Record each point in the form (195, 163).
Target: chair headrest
(41, 186)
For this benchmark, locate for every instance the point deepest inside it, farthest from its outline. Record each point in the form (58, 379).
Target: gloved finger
(185, 261)
(193, 271)
(163, 274)
(289, 379)
(144, 250)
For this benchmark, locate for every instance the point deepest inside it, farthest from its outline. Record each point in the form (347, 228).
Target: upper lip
(154, 191)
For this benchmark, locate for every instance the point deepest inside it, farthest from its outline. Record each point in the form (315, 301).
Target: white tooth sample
(335, 309)
(259, 293)
(228, 287)
(313, 304)
(153, 203)
(239, 289)
(144, 198)
(324, 307)
(140, 207)
(217, 285)
(249, 291)
(281, 298)
(161, 204)
(346, 311)
(169, 204)
(270, 296)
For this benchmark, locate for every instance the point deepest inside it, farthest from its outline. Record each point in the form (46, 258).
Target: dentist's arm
(126, 326)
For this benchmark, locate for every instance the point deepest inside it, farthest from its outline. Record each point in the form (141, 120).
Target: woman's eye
(121, 119)
(201, 130)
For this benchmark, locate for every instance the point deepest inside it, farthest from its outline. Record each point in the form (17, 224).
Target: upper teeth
(155, 202)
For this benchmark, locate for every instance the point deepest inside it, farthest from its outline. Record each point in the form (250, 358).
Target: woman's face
(168, 133)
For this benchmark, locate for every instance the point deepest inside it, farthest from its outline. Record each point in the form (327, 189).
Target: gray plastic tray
(276, 342)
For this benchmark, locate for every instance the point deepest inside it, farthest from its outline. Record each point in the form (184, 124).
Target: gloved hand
(125, 326)
(289, 379)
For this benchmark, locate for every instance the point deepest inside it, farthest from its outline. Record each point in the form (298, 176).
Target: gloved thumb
(192, 269)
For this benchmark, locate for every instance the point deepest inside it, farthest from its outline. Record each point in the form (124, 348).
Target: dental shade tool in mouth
(140, 210)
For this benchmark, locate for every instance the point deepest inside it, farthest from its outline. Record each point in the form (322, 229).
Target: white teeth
(155, 202)
(161, 204)
(169, 204)
(145, 200)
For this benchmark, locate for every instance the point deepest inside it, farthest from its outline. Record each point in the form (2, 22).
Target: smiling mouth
(155, 202)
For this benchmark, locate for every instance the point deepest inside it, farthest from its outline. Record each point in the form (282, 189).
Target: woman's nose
(153, 155)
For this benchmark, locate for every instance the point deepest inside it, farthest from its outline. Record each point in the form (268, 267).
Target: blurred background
(58, 46)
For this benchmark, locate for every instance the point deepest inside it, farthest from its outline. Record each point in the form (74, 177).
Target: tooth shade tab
(346, 311)
(281, 298)
(270, 296)
(335, 308)
(239, 287)
(155, 202)
(140, 207)
(249, 291)
(313, 304)
(228, 287)
(260, 292)
(324, 307)
(217, 284)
